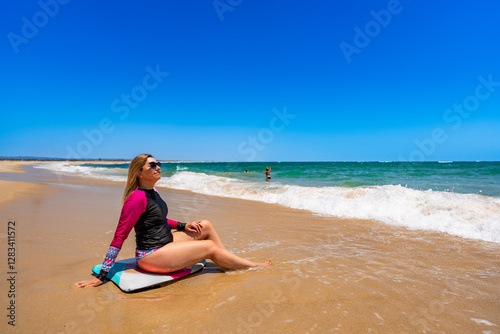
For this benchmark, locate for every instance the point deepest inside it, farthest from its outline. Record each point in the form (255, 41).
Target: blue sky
(248, 80)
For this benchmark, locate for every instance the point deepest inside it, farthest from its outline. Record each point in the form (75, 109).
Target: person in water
(268, 173)
(158, 249)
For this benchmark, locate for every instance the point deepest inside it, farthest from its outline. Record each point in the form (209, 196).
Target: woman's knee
(206, 224)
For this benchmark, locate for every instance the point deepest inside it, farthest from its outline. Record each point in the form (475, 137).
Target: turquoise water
(462, 177)
(458, 198)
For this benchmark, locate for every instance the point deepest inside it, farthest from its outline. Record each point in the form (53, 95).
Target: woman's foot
(264, 264)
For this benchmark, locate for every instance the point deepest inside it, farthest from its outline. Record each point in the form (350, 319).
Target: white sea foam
(85, 171)
(483, 322)
(465, 215)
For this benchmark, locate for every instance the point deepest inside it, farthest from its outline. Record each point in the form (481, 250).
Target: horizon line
(31, 158)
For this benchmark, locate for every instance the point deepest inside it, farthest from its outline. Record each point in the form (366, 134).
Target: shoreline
(474, 232)
(472, 215)
(329, 274)
(15, 166)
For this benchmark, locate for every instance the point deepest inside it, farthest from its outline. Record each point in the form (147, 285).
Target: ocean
(457, 198)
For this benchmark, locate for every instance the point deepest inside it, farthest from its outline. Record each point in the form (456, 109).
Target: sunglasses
(155, 164)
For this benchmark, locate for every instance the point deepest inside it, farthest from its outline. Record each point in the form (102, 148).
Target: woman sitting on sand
(158, 249)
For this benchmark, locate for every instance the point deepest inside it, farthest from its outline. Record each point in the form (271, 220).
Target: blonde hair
(133, 180)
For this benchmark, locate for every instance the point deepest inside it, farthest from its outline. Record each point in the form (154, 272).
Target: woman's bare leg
(177, 255)
(208, 232)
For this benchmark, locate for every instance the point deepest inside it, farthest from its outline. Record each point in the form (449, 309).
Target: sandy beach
(329, 275)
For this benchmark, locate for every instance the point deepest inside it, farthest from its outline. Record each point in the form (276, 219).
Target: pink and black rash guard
(146, 212)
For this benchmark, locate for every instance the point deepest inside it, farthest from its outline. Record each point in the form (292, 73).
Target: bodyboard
(129, 277)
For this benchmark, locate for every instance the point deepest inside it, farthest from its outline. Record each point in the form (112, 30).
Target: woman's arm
(175, 225)
(195, 226)
(132, 209)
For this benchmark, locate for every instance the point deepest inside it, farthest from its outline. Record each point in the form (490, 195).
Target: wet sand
(329, 275)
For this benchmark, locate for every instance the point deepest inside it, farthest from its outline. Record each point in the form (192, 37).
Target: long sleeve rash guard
(146, 212)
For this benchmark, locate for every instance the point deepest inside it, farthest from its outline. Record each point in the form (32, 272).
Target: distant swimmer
(246, 170)
(268, 173)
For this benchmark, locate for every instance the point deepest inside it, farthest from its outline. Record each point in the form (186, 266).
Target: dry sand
(329, 275)
(14, 166)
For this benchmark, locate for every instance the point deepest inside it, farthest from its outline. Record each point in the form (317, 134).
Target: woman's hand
(194, 227)
(94, 281)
